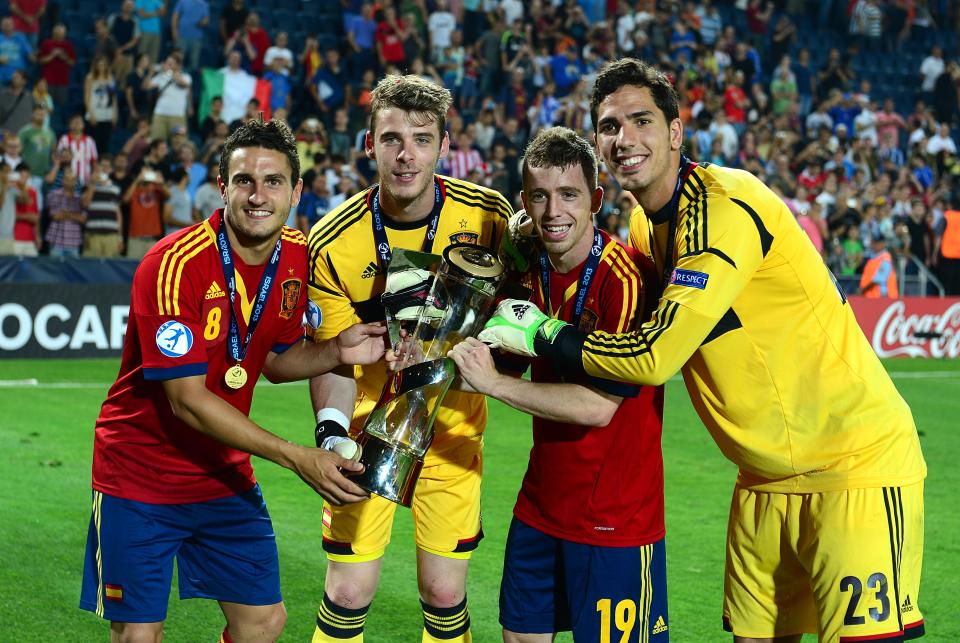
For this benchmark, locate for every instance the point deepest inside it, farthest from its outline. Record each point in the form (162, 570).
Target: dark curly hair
(270, 135)
(630, 71)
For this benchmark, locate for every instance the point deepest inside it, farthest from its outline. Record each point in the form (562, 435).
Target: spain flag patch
(113, 592)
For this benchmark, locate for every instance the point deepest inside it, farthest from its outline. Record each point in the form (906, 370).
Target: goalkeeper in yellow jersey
(826, 525)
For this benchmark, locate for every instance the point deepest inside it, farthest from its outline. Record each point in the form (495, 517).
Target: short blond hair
(426, 101)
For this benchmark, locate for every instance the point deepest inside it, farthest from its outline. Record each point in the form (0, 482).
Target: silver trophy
(455, 306)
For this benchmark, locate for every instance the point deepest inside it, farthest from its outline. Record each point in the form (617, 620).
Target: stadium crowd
(103, 161)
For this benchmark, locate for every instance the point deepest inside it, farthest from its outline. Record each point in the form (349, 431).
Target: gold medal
(235, 377)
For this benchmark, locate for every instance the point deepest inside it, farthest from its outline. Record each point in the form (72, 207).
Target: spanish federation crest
(464, 237)
(290, 298)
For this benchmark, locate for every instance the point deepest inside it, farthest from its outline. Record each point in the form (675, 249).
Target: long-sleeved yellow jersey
(772, 356)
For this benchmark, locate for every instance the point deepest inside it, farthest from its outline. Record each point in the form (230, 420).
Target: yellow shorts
(446, 512)
(845, 564)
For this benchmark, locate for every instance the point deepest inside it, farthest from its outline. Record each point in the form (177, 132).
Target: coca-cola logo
(896, 333)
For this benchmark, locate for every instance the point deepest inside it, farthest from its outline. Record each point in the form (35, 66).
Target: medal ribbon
(237, 350)
(380, 233)
(686, 166)
(586, 276)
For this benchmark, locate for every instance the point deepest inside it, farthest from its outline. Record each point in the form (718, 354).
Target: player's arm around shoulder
(198, 407)
(558, 402)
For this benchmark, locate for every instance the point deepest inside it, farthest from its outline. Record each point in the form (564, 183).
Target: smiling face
(258, 196)
(641, 149)
(562, 206)
(406, 147)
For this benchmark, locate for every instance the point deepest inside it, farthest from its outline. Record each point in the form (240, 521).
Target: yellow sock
(446, 624)
(337, 624)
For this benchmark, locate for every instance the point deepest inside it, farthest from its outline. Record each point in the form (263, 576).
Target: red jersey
(598, 485)
(178, 326)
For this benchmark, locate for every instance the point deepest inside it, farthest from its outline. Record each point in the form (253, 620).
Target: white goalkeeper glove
(517, 326)
(520, 242)
(407, 295)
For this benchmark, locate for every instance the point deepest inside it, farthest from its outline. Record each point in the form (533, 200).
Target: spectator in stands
(441, 24)
(11, 151)
(56, 58)
(280, 85)
(100, 101)
(146, 196)
(879, 278)
(390, 36)
(8, 211)
(566, 68)
(37, 141)
(26, 229)
(258, 37)
(805, 77)
(125, 31)
(314, 203)
(947, 249)
(311, 142)
(361, 37)
(64, 235)
(103, 232)
(154, 159)
(16, 103)
(232, 18)
(465, 158)
(944, 97)
(329, 87)
(187, 29)
(235, 81)
(149, 13)
(208, 196)
(27, 15)
(186, 157)
(339, 136)
(178, 209)
(103, 43)
(16, 52)
(941, 142)
(279, 51)
(172, 85)
(711, 23)
(213, 146)
(214, 116)
(783, 88)
(834, 75)
(83, 149)
(930, 69)
(781, 41)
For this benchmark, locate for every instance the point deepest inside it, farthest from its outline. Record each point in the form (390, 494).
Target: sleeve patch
(689, 278)
(174, 339)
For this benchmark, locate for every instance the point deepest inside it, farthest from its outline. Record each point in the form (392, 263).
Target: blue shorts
(599, 593)
(225, 550)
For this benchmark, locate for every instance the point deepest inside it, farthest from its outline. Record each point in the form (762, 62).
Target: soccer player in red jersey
(212, 307)
(586, 546)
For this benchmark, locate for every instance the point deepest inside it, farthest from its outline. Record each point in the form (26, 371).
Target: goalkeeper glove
(520, 327)
(407, 295)
(331, 434)
(519, 244)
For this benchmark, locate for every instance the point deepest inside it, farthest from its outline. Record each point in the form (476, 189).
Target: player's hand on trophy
(407, 295)
(520, 243)
(324, 471)
(404, 353)
(475, 366)
(361, 344)
(518, 326)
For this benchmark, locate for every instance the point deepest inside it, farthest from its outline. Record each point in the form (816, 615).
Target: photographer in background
(173, 96)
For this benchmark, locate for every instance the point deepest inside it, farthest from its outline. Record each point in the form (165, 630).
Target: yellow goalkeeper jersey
(772, 356)
(347, 279)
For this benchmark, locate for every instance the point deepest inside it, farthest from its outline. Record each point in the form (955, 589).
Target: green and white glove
(517, 326)
(520, 242)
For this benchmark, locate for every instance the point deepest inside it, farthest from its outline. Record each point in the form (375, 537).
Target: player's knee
(441, 592)
(136, 632)
(350, 593)
(258, 625)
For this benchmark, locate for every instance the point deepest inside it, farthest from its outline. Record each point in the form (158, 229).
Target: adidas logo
(214, 291)
(519, 310)
(907, 605)
(660, 626)
(370, 271)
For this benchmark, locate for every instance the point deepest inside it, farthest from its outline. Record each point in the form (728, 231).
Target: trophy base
(391, 472)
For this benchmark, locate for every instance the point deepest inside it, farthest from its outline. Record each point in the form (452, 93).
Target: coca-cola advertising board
(910, 326)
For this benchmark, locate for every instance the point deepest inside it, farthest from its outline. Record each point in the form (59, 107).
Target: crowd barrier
(79, 307)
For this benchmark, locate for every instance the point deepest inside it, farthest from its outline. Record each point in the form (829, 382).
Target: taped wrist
(331, 427)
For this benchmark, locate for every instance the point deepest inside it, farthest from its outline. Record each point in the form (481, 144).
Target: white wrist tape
(336, 415)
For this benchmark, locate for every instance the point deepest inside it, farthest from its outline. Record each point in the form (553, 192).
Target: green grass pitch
(46, 438)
